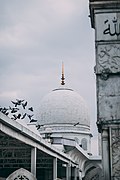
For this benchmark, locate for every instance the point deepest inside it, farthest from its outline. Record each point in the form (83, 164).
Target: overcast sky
(35, 37)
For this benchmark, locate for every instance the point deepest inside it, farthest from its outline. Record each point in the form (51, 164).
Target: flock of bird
(15, 114)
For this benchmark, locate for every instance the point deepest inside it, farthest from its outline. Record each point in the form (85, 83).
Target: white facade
(63, 115)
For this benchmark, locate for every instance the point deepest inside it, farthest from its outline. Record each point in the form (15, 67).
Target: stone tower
(105, 19)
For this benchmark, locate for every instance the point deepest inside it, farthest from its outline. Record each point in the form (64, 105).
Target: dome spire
(63, 75)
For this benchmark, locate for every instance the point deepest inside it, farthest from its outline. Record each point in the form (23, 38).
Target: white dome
(63, 106)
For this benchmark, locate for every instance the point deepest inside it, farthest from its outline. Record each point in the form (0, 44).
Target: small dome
(63, 106)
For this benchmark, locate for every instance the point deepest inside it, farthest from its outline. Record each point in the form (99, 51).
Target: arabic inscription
(108, 26)
(113, 27)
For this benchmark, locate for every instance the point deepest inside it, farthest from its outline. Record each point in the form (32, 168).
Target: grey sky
(35, 37)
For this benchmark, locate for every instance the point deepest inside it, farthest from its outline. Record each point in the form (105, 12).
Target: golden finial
(63, 78)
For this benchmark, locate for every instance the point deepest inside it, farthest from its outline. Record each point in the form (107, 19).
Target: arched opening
(84, 144)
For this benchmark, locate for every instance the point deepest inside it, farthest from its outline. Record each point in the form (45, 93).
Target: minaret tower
(105, 19)
(63, 75)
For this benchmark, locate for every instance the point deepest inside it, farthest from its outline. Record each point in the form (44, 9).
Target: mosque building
(59, 149)
(64, 118)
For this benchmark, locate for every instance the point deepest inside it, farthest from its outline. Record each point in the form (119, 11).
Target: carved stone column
(75, 173)
(54, 168)
(105, 19)
(105, 152)
(33, 160)
(115, 151)
(68, 172)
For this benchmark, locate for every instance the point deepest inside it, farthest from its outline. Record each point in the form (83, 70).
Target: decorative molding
(108, 60)
(21, 177)
(64, 128)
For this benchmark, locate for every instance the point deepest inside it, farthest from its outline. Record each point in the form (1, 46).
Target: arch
(21, 174)
(84, 144)
(92, 170)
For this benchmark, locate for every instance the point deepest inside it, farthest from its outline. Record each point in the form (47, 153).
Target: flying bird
(38, 126)
(15, 103)
(31, 109)
(14, 117)
(33, 120)
(76, 124)
(30, 116)
(24, 105)
(19, 115)
(14, 110)
(23, 116)
(4, 110)
(6, 113)
(18, 102)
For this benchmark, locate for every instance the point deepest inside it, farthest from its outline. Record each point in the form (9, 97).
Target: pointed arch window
(84, 143)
